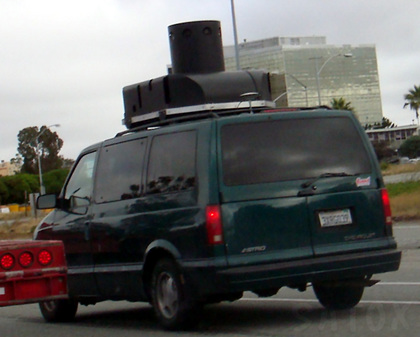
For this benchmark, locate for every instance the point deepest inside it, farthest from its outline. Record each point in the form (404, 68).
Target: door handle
(87, 231)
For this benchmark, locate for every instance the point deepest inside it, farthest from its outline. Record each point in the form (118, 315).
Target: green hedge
(14, 189)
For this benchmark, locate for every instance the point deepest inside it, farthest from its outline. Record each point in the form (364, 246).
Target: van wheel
(170, 298)
(338, 297)
(58, 310)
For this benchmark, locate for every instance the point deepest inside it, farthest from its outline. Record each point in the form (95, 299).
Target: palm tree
(341, 104)
(413, 100)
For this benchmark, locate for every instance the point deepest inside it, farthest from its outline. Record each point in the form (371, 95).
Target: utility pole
(235, 36)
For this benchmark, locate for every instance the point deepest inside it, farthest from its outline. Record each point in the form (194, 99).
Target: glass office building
(306, 71)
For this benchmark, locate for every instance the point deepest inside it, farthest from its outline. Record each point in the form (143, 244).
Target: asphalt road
(390, 308)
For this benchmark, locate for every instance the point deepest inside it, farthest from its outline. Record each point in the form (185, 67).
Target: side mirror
(79, 205)
(46, 201)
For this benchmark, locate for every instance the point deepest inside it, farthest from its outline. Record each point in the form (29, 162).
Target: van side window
(120, 170)
(172, 163)
(81, 181)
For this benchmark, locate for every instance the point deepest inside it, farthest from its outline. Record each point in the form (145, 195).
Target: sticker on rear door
(362, 182)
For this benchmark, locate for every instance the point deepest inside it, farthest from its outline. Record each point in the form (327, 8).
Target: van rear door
(344, 196)
(295, 185)
(263, 218)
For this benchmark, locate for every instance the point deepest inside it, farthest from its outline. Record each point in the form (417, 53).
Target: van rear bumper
(215, 280)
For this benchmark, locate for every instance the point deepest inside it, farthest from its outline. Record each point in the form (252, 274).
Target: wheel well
(152, 258)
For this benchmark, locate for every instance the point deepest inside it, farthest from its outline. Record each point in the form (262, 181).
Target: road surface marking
(398, 284)
(302, 300)
(406, 227)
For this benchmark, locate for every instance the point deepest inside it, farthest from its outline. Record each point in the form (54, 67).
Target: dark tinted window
(80, 183)
(120, 171)
(279, 150)
(172, 162)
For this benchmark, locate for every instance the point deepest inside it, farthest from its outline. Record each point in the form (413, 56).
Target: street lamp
(235, 35)
(280, 96)
(41, 183)
(305, 88)
(318, 70)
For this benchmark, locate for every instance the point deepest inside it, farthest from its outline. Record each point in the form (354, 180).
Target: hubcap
(167, 295)
(49, 305)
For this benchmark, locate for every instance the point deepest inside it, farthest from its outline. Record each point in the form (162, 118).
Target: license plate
(335, 218)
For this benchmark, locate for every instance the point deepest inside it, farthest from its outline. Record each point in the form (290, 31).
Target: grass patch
(18, 225)
(406, 205)
(18, 228)
(12, 216)
(408, 187)
(405, 199)
(399, 168)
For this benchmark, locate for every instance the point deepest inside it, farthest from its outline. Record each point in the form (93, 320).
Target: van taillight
(214, 225)
(387, 207)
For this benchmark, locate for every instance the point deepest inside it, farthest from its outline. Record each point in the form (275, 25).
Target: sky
(66, 62)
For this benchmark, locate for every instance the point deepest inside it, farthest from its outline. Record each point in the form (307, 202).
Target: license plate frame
(335, 218)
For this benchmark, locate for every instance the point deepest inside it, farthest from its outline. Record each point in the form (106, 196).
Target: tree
(18, 187)
(50, 145)
(383, 150)
(341, 104)
(67, 163)
(17, 161)
(385, 123)
(4, 192)
(411, 147)
(54, 180)
(14, 189)
(412, 99)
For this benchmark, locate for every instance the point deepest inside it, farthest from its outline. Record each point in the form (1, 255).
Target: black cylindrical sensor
(196, 47)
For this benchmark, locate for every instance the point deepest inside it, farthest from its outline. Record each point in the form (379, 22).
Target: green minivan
(212, 191)
(199, 212)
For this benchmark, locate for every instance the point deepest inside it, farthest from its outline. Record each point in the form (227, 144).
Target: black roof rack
(164, 119)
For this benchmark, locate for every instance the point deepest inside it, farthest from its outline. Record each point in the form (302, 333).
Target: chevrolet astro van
(194, 210)
(202, 211)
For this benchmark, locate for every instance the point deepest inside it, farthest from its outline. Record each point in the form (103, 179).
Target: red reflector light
(7, 261)
(44, 257)
(214, 225)
(26, 259)
(387, 207)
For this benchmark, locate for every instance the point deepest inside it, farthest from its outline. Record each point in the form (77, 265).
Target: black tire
(172, 303)
(338, 297)
(58, 310)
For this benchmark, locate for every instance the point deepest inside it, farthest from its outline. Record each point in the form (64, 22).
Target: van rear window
(291, 149)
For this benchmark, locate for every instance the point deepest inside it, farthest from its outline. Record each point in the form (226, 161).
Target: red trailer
(32, 271)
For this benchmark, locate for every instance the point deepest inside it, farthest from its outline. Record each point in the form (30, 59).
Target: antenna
(249, 96)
